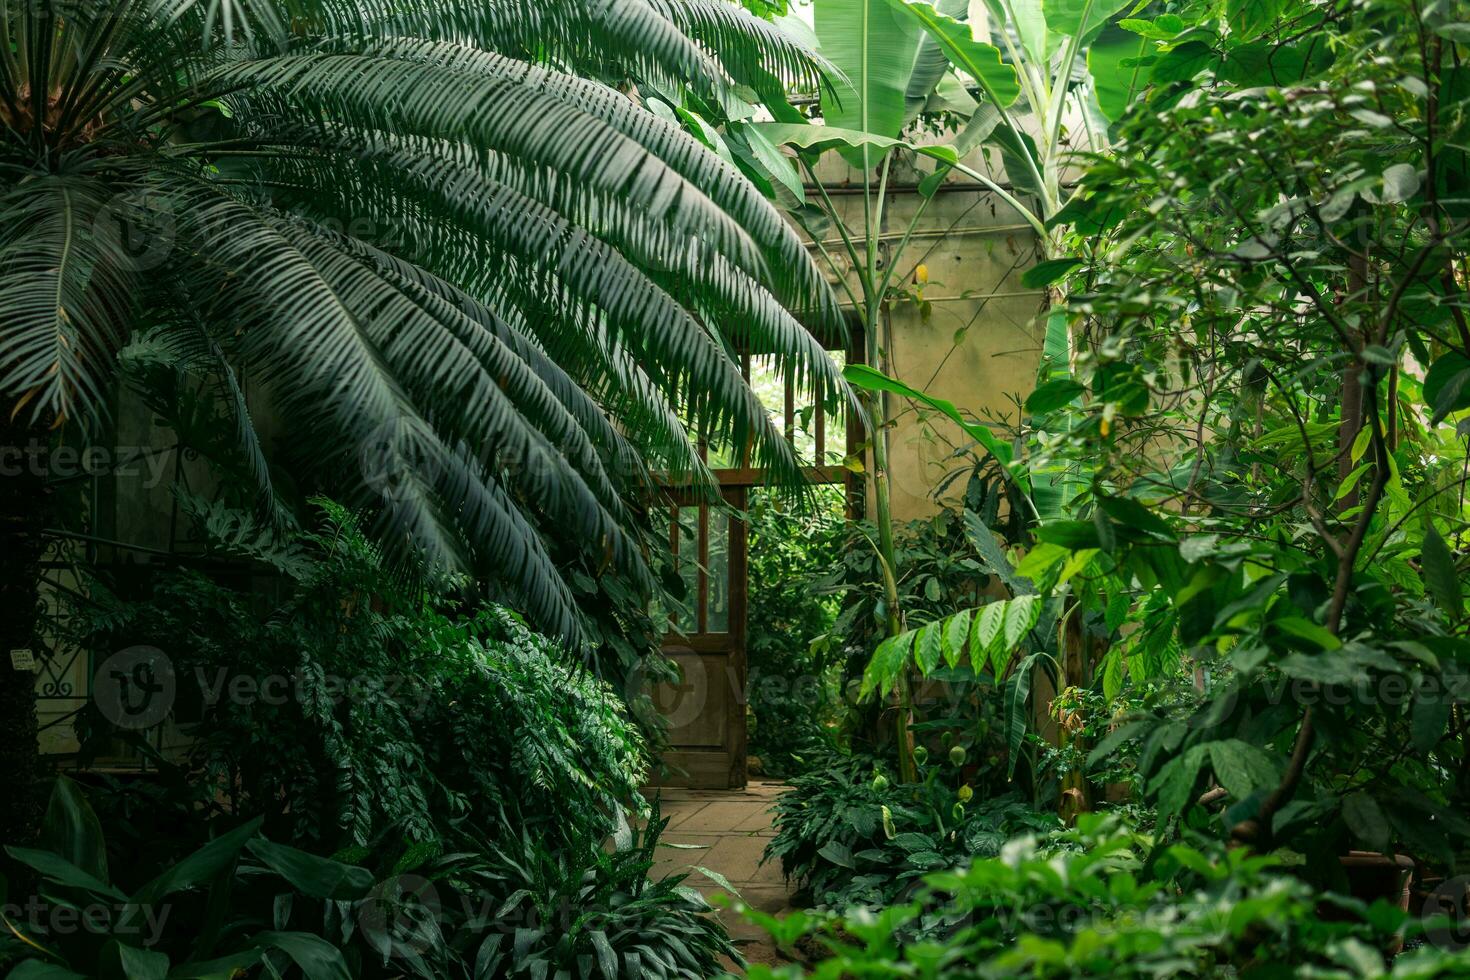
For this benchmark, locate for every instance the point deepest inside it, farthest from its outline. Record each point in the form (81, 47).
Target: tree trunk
(22, 523)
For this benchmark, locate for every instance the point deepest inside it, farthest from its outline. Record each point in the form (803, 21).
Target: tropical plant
(348, 703)
(794, 685)
(471, 285)
(1089, 903)
(590, 903)
(504, 905)
(1272, 395)
(848, 837)
(84, 924)
(899, 56)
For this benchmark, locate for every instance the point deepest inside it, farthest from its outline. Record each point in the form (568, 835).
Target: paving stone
(727, 817)
(732, 829)
(739, 860)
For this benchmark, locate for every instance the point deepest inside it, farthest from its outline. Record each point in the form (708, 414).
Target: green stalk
(878, 419)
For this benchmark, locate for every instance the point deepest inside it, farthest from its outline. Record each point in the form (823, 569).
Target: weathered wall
(978, 343)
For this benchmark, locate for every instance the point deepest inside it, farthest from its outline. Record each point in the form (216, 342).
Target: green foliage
(1271, 486)
(849, 837)
(149, 929)
(794, 690)
(472, 285)
(1086, 903)
(590, 904)
(348, 702)
(244, 905)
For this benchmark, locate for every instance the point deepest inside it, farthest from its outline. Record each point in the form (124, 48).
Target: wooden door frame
(735, 485)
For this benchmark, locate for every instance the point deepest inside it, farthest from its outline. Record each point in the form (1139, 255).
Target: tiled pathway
(730, 829)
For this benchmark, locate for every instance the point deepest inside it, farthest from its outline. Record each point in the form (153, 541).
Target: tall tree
(480, 288)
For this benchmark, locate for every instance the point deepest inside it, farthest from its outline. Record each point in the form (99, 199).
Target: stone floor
(726, 831)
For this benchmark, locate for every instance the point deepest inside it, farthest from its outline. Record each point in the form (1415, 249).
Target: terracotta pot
(1372, 876)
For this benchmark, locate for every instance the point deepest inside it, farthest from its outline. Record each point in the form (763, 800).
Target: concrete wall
(978, 342)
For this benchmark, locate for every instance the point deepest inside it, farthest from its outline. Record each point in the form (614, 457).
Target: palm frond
(66, 300)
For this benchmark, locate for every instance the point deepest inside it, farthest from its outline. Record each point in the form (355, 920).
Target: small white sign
(22, 660)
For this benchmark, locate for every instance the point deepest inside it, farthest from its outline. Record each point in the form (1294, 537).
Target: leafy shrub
(849, 837)
(242, 904)
(351, 702)
(1086, 903)
(794, 690)
(86, 923)
(507, 904)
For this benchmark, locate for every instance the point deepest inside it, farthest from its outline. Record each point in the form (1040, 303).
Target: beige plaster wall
(980, 342)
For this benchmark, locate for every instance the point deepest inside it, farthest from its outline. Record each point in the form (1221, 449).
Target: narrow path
(728, 829)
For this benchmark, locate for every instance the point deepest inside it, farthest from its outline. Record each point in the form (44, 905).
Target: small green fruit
(957, 812)
(880, 783)
(957, 755)
(921, 754)
(965, 794)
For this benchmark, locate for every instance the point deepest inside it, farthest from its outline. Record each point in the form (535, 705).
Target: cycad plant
(472, 284)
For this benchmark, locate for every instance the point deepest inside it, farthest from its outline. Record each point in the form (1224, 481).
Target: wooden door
(705, 709)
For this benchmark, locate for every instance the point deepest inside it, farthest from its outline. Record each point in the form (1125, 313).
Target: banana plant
(1053, 82)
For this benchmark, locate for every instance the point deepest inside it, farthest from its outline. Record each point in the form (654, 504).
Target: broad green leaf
(1077, 563)
(928, 647)
(1183, 62)
(1112, 672)
(317, 958)
(72, 830)
(1366, 819)
(42, 970)
(1447, 385)
(1113, 60)
(883, 669)
(811, 137)
(1080, 18)
(1431, 714)
(312, 875)
(771, 159)
(1018, 697)
(975, 58)
(1023, 163)
(874, 47)
(1047, 272)
(1022, 612)
(874, 380)
(1052, 395)
(1304, 629)
(1041, 559)
(1029, 20)
(1249, 18)
(838, 853)
(1056, 351)
(60, 870)
(956, 635)
(133, 963)
(607, 957)
(1174, 783)
(199, 867)
(986, 635)
(1440, 575)
(992, 555)
(1241, 767)
(1137, 516)
(931, 70)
